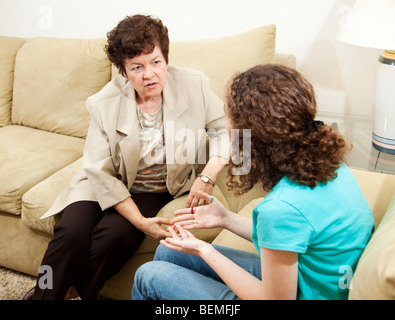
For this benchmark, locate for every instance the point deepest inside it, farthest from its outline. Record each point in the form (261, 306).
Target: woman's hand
(150, 226)
(199, 185)
(213, 167)
(184, 241)
(153, 227)
(213, 215)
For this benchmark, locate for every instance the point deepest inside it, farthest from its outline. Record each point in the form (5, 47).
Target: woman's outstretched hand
(212, 215)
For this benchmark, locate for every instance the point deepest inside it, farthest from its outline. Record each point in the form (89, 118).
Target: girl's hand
(184, 241)
(213, 215)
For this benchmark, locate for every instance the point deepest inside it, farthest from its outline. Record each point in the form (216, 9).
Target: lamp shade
(370, 23)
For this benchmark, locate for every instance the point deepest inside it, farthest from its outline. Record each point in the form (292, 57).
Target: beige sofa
(43, 123)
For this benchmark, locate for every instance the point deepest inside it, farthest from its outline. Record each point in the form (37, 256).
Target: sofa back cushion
(220, 58)
(52, 80)
(9, 47)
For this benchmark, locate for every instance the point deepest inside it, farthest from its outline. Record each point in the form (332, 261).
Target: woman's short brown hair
(136, 35)
(278, 104)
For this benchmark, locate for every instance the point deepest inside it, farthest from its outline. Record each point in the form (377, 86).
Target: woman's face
(147, 73)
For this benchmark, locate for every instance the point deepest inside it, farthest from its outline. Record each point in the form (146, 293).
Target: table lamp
(371, 23)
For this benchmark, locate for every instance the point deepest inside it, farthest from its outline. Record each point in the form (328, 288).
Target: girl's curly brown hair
(135, 35)
(278, 104)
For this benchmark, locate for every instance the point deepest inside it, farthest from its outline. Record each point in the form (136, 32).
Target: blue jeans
(178, 276)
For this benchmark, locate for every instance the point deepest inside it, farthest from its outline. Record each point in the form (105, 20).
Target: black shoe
(29, 295)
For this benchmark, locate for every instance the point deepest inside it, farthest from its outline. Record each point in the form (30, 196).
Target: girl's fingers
(200, 198)
(173, 232)
(183, 218)
(169, 245)
(182, 231)
(186, 223)
(189, 234)
(183, 211)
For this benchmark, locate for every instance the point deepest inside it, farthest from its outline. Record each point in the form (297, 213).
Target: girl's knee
(150, 271)
(144, 271)
(163, 253)
(148, 278)
(142, 277)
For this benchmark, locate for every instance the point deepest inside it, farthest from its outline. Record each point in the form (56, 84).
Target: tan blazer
(111, 155)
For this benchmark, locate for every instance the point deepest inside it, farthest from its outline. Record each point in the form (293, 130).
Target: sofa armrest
(377, 189)
(374, 277)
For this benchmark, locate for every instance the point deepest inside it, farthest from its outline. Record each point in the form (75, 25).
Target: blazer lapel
(127, 127)
(173, 98)
(175, 106)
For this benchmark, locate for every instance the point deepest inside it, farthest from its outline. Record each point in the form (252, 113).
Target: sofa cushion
(237, 202)
(220, 58)
(53, 79)
(9, 47)
(231, 240)
(374, 277)
(149, 244)
(39, 198)
(27, 157)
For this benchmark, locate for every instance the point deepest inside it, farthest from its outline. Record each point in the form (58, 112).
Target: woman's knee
(77, 222)
(71, 235)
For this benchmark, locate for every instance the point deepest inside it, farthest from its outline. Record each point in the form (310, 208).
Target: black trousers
(89, 246)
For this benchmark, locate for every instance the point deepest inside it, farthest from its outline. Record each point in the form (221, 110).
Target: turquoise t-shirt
(328, 226)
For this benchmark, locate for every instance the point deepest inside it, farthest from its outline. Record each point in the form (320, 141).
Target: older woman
(145, 128)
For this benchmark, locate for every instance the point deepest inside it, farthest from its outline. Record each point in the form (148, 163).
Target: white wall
(343, 75)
